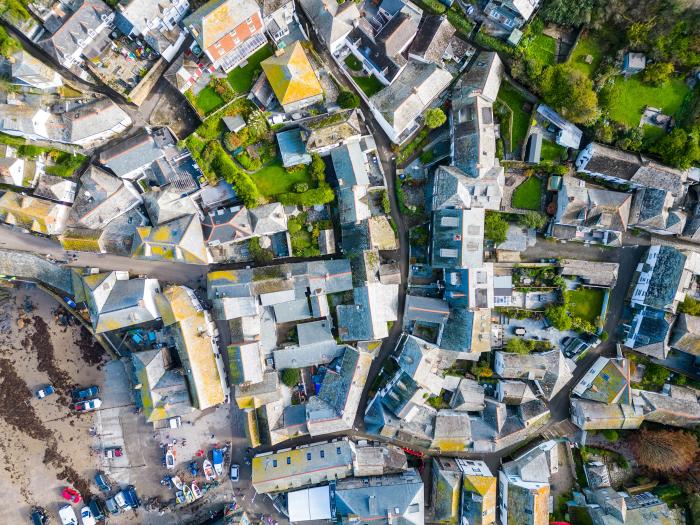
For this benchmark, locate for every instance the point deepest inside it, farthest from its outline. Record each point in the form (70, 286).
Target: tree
(679, 148)
(495, 228)
(259, 254)
(611, 434)
(568, 12)
(348, 99)
(667, 451)
(532, 219)
(558, 317)
(517, 345)
(658, 73)
(434, 118)
(317, 168)
(570, 92)
(291, 377)
(638, 33)
(8, 45)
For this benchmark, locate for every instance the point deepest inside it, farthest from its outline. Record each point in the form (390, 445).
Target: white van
(86, 516)
(67, 515)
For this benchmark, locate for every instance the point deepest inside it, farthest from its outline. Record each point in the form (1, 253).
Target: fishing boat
(230, 511)
(180, 497)
(177, 482)
(170, 458)
(208, 470)
(196, 491)
(218, 456)
(187, 491)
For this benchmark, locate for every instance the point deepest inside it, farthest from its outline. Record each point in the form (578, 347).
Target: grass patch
(521, 120)
(208, 100)
(585, 303)
(528, 195)
(353, 63)
(370, 85)
(241, 78)
(552, 151)
(66, 164)
(629, 97)
(587, 45)
(544, 49)
(273, 179)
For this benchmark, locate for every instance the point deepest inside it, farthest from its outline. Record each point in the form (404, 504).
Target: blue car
(102, 482)
(85, 393)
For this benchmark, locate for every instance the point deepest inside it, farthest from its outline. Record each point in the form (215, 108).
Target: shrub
(260, 255)
(435, 117)
(518, 346)
(558, 317)
(291, 377)
(317, 168)
(225, 168)
(348, 99)
(321, 195)
(611, 435)
(495, 227)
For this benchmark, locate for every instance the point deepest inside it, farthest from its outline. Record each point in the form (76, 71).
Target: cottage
(293, 78)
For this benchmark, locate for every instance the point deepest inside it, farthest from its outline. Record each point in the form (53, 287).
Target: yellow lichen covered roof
(291, 75)
(481, 485)
(35, 214)
(175, 304)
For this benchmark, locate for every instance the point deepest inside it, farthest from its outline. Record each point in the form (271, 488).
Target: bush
(301, 187)
(321, 195)
(386, 203)
(558, 317)
(248, 163)
(519, 346)
(317, 168)
(434, 118)
(532, 219)
(495, 227)
(225, 168)
(260, 255)
(291, 377)
(611, 435)
(348, 100)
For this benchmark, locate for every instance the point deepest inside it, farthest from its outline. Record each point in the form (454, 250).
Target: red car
(71, 495)
(113, 452)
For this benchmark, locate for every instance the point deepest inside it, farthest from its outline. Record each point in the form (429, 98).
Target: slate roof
(27, 65)
(227, 225)
(592, 273)
(55, 188)
(168, 203)
(607, 381)
(349, 163)
(410, 93)
(268, 219)
(397, 34)
(327, 130)
(382, 500)
(136, 151)
(163, 393)
(652, 209)
(457, 238)
(649, 332)
(93, 118)
(24, 265)
(331, 20)
(568, 136)
(37, 215)
(549, 368)
(665, 278)
(686, 334)
(292, 148)
(176, 240)
(291, 75)
(374, 305)
(77, 27)
(453, 188)
(434, 35)
(593, 208)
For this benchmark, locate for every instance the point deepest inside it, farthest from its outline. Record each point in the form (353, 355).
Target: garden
(552, 152)
(58, 162)
(528, 195)
(587, 45)
(627, 98)
(241, 79)
(304, 235)
(519, 119)
(586, 303)
(369, 84)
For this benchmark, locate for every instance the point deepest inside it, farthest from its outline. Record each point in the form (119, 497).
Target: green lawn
(241, 78)
(628, 98)
(208, 100)
(273, 179)
(353, 63)
(521, 120)
(370, 85)
(585, 303)
(586, 46)
(527, 196)
(552, 151)
(543, 48)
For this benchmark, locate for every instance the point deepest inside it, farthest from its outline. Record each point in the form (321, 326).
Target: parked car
(87, 406)
(44, 391)
(38, 516)
(89, 392)
(67, 515)
(98, 509)
(234, 472)
(113, 452)
(86, 516)
(131, 498)
(102, 482)
(112, 506)
(71, 495)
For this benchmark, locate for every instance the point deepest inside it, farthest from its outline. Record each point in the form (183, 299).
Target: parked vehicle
(71, 495)
(217, 457)
(87, 406)
(70, 302)
(113, 452)
(234, 472)
(79, 394)
(44, 391)
(102, 483)
(38, 516)
(67, 515)
(131, 497)
(98, 509)
(170, 458)
(112, 506)
(86, 516)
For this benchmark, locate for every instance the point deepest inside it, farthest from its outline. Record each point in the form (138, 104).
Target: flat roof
(309, 504)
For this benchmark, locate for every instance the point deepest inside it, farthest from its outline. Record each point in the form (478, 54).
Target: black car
(38, 516)
(98, 509)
